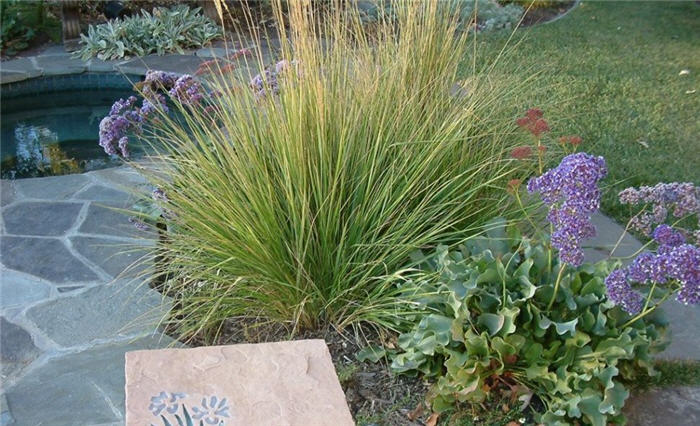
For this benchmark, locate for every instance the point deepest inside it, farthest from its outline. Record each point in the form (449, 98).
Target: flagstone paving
(68, 312)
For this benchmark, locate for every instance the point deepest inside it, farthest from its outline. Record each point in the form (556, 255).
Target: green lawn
(609, 71)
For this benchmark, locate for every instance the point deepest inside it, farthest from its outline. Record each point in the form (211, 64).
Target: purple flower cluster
(571, 192)
(267, 81)
(674, 260)
(122, 120)
(681, 199)
(125, 117)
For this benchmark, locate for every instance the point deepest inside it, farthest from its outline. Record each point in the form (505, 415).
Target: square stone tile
(282, 383)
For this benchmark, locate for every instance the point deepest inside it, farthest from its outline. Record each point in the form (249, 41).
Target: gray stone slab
(675, 406)
(17, 349)
(685, 323)
(59, 64)
(114, 257)
(107, 219)
(102, 193)
(46, 218)
(12, 76)
(211, 52)
(45, 258)
(181, 64)
(8, 193)
(121, 178)
(6, 418)
(98, 65)
(53, 187)
(85, 388)
(24, 65)
(608, 233)
(18, 289)
(122, 308)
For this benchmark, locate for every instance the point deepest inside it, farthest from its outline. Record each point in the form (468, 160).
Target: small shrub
(488, 15)
(293, 197)
(489, 324)
(22, 21)
(162, 31)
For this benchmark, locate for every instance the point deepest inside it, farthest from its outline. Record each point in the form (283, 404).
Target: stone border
(54, 60)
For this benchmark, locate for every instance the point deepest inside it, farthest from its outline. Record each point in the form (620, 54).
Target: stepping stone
(53, 187)
(18, 289)
(45, 258)
(17, 349)
(181, 64)
(43, 218)
(114, 257)
(107, 219)
(675, 406)
(107, 311)
(283, 383)
(60, 64)
(684, 322)
(84, 388)
(102, 193)
(608, 232)
(121, 178)
(8, 194)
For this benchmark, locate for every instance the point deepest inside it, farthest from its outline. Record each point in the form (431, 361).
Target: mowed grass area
(609, 72)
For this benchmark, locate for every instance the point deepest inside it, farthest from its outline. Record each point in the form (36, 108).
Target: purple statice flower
(571, 192)
(674, 260)
(124, 146)
(665, 235)
(159, 195)
(187, 90)
(138, 224)
(160, 79)
(112, 134)
(122, 104)
(621, 292)
(681, 199)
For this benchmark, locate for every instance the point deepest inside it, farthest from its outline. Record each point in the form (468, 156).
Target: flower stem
(646, 311)
(556, 285)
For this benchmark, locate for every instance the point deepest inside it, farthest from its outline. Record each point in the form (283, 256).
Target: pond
(50, 124)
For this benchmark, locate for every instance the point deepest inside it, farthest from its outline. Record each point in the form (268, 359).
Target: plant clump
(160, 32)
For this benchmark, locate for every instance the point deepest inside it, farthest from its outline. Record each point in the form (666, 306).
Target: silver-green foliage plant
(162, 31)
(489, 323)
(488, 15)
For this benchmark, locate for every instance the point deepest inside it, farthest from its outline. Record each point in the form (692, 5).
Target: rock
(108, 219)
(18, 289)
(684, 322)
(102, 193)
(104, 312)
(60, 64)
(8, 194)
(114, 257)
(53, 187)
(284, 383)
(84, 388)
(45, 218)
(45, 258)
(676, 406)
(17, 349)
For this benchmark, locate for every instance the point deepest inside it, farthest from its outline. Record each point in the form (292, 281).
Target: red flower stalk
(521, 152)
(533, 122)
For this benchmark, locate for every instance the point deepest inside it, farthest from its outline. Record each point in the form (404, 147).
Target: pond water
(50, 125)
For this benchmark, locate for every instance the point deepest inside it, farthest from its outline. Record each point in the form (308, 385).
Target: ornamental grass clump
(295, 196)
